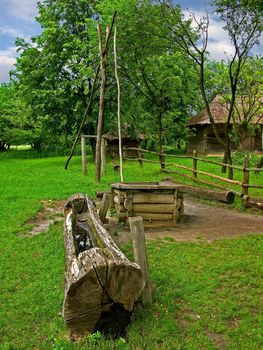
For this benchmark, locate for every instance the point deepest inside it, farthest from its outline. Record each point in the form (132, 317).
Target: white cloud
(12, 32)
(7, 61)
(21, 9)
(219, 44)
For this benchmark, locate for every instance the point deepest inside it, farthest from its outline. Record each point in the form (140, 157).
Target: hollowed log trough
(101, 284)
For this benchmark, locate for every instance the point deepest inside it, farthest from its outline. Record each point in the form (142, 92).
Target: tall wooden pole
(103, 67)
(83, 154)
(119, 103)
(103, 157)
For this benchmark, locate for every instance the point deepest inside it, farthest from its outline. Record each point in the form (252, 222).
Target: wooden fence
(245, 184)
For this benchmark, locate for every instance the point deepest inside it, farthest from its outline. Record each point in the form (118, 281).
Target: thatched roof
(219, 112)
(125, 134)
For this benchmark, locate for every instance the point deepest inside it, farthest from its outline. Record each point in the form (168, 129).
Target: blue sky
(17, 19)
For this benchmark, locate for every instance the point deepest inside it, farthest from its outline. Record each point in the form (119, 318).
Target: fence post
(162, 159)
(104, 206)
(245, 176)
(103, 157)
(140, 254)
(83, 155)
(194, 164)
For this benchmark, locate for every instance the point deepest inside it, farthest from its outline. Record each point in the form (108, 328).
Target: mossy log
(101, 284)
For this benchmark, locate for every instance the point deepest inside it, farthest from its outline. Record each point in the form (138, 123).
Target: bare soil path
(201, 223)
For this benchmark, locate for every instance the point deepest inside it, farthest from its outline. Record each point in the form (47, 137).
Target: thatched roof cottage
(203, 139)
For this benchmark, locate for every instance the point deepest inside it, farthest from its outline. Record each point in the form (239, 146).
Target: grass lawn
(208, 296)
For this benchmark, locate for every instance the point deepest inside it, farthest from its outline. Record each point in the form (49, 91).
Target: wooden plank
(153, 208)
(155, 197)
(140, 255)
(155, 216)
(143, 186)
(104, 206)
(118, 199)
(175, 216)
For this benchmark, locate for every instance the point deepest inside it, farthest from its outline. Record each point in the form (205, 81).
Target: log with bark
(101, 284)
(221, 196)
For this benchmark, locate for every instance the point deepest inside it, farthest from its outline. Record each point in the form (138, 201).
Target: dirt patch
(201, 223)
(51, 212)
(218, 339)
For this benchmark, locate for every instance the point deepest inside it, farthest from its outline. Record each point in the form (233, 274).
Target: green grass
(206, 294)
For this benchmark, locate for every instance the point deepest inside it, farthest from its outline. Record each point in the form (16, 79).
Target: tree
(158, 83)
(244, 27)
(248, 113)
(15, 127)
(55, 71)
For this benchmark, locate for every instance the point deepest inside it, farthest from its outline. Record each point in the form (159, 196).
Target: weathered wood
(158, 198)
(140, 255)
(219, 163)
(104, 206)
(143, 186)
(118, 102)
(101, 284)
(153, 208)
(245, 176)
(83, 156)
(221, 196)
(208, 183)
(155, 216)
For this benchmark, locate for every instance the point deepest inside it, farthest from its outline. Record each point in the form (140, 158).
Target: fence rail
(245, 169)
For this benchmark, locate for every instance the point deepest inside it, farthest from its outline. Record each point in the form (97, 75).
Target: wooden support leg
(140, 254)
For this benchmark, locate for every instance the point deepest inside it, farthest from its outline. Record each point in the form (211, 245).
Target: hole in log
(114, 323)
(82, 237)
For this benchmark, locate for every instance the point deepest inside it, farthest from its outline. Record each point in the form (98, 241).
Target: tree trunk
(227, 156)
(100, 123)
(160, 139)
(101, 284)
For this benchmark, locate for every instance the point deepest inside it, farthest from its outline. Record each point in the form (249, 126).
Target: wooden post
(119, 103)
(83, 154)
(140, 254)
(245, 176)
(104, 206)
(103, 157)
(194, 164)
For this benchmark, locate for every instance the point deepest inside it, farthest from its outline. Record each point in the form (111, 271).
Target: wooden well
(153, 201)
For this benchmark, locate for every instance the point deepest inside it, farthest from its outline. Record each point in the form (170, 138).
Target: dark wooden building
(128, 141)
(203, 139)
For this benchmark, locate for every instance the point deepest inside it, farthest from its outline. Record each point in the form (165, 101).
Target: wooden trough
(101, 284)
(153, 201)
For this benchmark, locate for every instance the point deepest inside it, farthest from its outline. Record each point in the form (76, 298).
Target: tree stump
(101, 284)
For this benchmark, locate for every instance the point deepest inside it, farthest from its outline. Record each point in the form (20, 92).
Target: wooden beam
(140, 254)
(104, 206)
